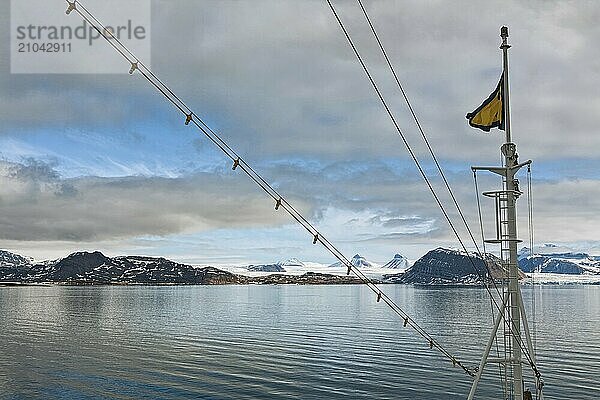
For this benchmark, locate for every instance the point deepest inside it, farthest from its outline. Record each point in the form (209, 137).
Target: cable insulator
(70, 8)
(107, 33)
(134, 66)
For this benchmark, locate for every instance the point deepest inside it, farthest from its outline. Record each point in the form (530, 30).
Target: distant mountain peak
(357, 260)
(360, 262)
(398, 262)
(560, 262)
(276, 267)
(291, 262)
(10, 259)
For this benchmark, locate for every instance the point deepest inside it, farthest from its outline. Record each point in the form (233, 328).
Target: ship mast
(512, 311)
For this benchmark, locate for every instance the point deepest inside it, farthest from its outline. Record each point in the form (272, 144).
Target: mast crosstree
(512, 311)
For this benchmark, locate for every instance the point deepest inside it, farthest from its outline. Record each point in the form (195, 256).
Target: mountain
(439, 266)
(292, 263)
(8, 259)
(96, 268)
(548, 260)
(80, 265)
(358, 261)
(447, 266)
(13, 267)
(266, 268)
(398, 262)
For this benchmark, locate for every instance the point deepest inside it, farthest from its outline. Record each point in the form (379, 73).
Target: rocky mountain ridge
(446, 266)
(94, 268)
(550, 258)
(439, 266)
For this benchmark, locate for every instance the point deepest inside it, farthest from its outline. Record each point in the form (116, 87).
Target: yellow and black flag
(490, 114)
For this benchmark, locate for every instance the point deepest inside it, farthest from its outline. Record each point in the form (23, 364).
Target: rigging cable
(439, 167)
(419, 126)
(400, 133)
(434, 158)
(432, 153)
(479, 210)
(531, 252)
(502, 378)
(281, 202)
(510, 324)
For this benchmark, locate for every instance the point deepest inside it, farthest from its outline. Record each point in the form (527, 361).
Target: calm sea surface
(253, 342)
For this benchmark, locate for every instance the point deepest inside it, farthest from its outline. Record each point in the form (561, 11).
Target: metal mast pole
(506, 231)
(505, 46)
(512, 189)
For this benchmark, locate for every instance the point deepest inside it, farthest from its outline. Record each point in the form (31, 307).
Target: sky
(103, 162)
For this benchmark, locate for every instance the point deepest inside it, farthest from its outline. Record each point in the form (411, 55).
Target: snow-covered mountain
(293, 263)
(281, 266)
(558, 260)
(357, 261)
(277, 267)
(13, 266)
(398, 262)
(8, 259)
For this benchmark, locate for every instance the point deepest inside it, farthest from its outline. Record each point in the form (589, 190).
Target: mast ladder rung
(499, 241)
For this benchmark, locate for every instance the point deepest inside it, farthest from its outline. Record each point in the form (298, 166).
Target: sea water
(279, 342)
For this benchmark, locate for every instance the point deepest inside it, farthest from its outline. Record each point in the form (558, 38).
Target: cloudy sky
(102, 162)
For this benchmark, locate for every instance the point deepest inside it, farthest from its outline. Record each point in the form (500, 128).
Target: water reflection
(310, 342)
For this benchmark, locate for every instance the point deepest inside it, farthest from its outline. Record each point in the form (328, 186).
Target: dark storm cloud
(38, 205)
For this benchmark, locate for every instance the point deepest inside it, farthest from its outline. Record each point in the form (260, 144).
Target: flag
(490, 114)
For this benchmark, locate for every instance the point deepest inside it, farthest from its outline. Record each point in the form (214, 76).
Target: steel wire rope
(257, 178)
(435, 160)
(538, 384)
(484, 251)
(420, 128)
(531, 244)
(434, 157)
(425, 178)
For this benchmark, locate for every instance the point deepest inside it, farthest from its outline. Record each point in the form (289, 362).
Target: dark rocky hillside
(96, 268)
(445, 266)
